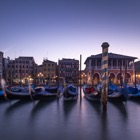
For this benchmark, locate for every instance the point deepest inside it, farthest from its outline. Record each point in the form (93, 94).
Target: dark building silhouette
(69, 69)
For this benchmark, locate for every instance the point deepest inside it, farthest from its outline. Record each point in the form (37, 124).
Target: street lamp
(83, 76)
(138, 78)
(40, 75)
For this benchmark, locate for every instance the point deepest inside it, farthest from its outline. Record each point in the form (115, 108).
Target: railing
(111, 67)
(98, 67)
(130, 67)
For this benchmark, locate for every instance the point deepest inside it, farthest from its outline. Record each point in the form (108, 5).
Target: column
(105, 46)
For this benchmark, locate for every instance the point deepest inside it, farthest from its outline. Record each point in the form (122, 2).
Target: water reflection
(39, 106)
(135, 101)
(14, 106)
(3, 101)
(67, 107)
(81, 119)
(122, 108)
(96, 105)
(104, 126)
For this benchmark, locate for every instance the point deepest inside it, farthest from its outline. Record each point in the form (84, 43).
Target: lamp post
(83, 78)
(29, 78)
(40, 75)
(137, 79)
(93, 76)
(20, 76)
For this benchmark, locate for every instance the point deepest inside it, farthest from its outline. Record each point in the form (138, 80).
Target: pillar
(104, 46)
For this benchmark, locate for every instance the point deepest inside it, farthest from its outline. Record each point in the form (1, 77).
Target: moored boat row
(69, 93)
(29, 93)
(115, 93)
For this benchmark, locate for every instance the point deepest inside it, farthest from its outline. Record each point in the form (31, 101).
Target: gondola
(91, 92)
(44, 93)
(134, 97)
(116, 93)
(116, 97)
(2, 97)
(133, 93)
(15, 93)
(70, 93)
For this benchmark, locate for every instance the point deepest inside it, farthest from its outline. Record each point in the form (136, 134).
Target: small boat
(133, 93)
(51, 89)
(134, 97)
(17, 92)
(70, 93)
(91, 92)
(119, 94)
(2, 97)
(112, 88)
(44, 93)
(116, 97)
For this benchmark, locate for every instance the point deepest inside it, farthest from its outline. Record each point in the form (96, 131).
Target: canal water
(77, 120)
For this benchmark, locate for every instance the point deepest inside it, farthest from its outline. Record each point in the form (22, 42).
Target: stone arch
(120, 78)
(128, 77)
(112, 78)
(96, 78)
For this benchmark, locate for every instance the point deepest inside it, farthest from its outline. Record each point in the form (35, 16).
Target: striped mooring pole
(104, 93)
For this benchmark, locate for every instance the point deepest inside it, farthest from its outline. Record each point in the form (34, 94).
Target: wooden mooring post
(104, 89)
(80, 75)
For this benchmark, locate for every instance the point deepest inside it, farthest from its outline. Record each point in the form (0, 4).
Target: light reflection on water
(81, 119)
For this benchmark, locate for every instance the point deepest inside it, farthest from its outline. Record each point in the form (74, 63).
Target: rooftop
(111, 56)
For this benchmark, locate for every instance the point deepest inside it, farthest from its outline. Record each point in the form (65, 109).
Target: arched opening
(128, 78)
(111, 78)
(120, 79)
(96, 78)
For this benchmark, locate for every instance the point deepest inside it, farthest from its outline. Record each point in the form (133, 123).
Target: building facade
(6, 61)
(119, 66)
(137, 70)
(21, 69)
(69, 69)
(48, 71)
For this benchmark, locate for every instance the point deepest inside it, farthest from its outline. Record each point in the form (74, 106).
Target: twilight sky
(57, 29)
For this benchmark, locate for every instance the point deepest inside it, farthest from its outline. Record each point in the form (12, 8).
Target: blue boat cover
(113, 87)
(132, 90)
(1, 92)
(72, 88)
